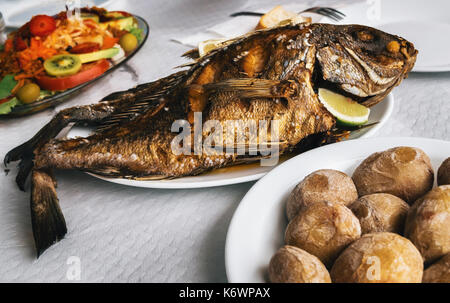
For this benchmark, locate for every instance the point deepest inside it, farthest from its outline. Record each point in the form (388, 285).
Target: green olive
(128, 42)
(28, 93)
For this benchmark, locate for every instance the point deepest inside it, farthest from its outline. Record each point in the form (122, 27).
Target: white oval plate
(424, 23)
(257, 228)
(241, 173)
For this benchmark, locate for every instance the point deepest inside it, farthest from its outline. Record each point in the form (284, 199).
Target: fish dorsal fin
(137, 101)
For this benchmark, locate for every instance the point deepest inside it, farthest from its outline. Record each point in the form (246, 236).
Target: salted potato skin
(293, 265)
(379, 258)
(405, 172)
(439, 272)
(443, 176)
(322, 185)
(323, 229)
(428, 223)
(380, 212)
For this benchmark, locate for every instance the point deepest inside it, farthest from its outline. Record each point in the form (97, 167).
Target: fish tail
(49, 225)
(25, 167)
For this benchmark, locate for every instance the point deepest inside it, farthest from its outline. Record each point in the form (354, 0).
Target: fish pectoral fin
(255, 88)
(134, 111)
(141, 100)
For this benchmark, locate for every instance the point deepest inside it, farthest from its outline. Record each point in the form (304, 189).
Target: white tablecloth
(126, 234)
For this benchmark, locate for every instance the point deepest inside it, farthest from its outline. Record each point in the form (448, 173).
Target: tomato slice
(83, 48)
(88, 72)
(42, 25)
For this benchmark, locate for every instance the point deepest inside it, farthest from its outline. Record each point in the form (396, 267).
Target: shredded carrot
(19, 84)
(33, 52)
(69, 33)
(109, 42)
(26, 76)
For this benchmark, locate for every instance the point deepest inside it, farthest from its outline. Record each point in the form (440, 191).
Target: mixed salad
(50, 54)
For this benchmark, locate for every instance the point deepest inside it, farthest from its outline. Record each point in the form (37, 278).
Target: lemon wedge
(347, 111)
(206, 46)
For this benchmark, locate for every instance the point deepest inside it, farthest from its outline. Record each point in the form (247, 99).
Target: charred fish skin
(269, 75)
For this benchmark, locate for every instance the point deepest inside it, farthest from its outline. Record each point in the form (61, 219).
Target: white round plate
(240, 173)
(257, 228)
(424, 23)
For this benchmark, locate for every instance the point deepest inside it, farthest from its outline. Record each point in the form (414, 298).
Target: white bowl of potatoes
(361, 211)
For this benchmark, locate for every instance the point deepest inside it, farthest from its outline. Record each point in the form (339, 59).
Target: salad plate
(51, 97)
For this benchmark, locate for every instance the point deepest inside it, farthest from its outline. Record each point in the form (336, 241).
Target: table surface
(126, 234)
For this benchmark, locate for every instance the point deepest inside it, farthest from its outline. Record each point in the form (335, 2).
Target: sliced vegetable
(42, 25)
(6, 86)
(117, 14)
(206, 46)
(83, 48)
(128, 42)
(28, 93)
(121, 24)
(62, 65)
(347, 111)
(101, 54)
(89, 72)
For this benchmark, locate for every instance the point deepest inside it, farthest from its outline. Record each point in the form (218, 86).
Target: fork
(329, 12)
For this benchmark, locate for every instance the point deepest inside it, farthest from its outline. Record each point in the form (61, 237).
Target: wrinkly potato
(379, 258)
(322, 185)
(428, 223)
(405, 172)
(443, 176)
(293, 265)
(323, 229)
(439, 272)
(380, 212)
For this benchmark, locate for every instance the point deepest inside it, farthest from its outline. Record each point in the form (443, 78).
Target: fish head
(363, 62)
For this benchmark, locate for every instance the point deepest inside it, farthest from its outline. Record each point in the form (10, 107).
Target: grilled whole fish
(268, 75)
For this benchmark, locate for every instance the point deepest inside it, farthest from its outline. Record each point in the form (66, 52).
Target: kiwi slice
(62, 65)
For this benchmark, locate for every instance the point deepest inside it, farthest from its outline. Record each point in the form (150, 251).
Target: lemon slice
(346, 111)
(205, 47)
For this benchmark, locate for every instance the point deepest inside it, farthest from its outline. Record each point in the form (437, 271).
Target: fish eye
(393, 47)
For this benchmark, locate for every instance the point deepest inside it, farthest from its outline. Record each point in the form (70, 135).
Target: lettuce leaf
(6, 86)
(6, 107)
